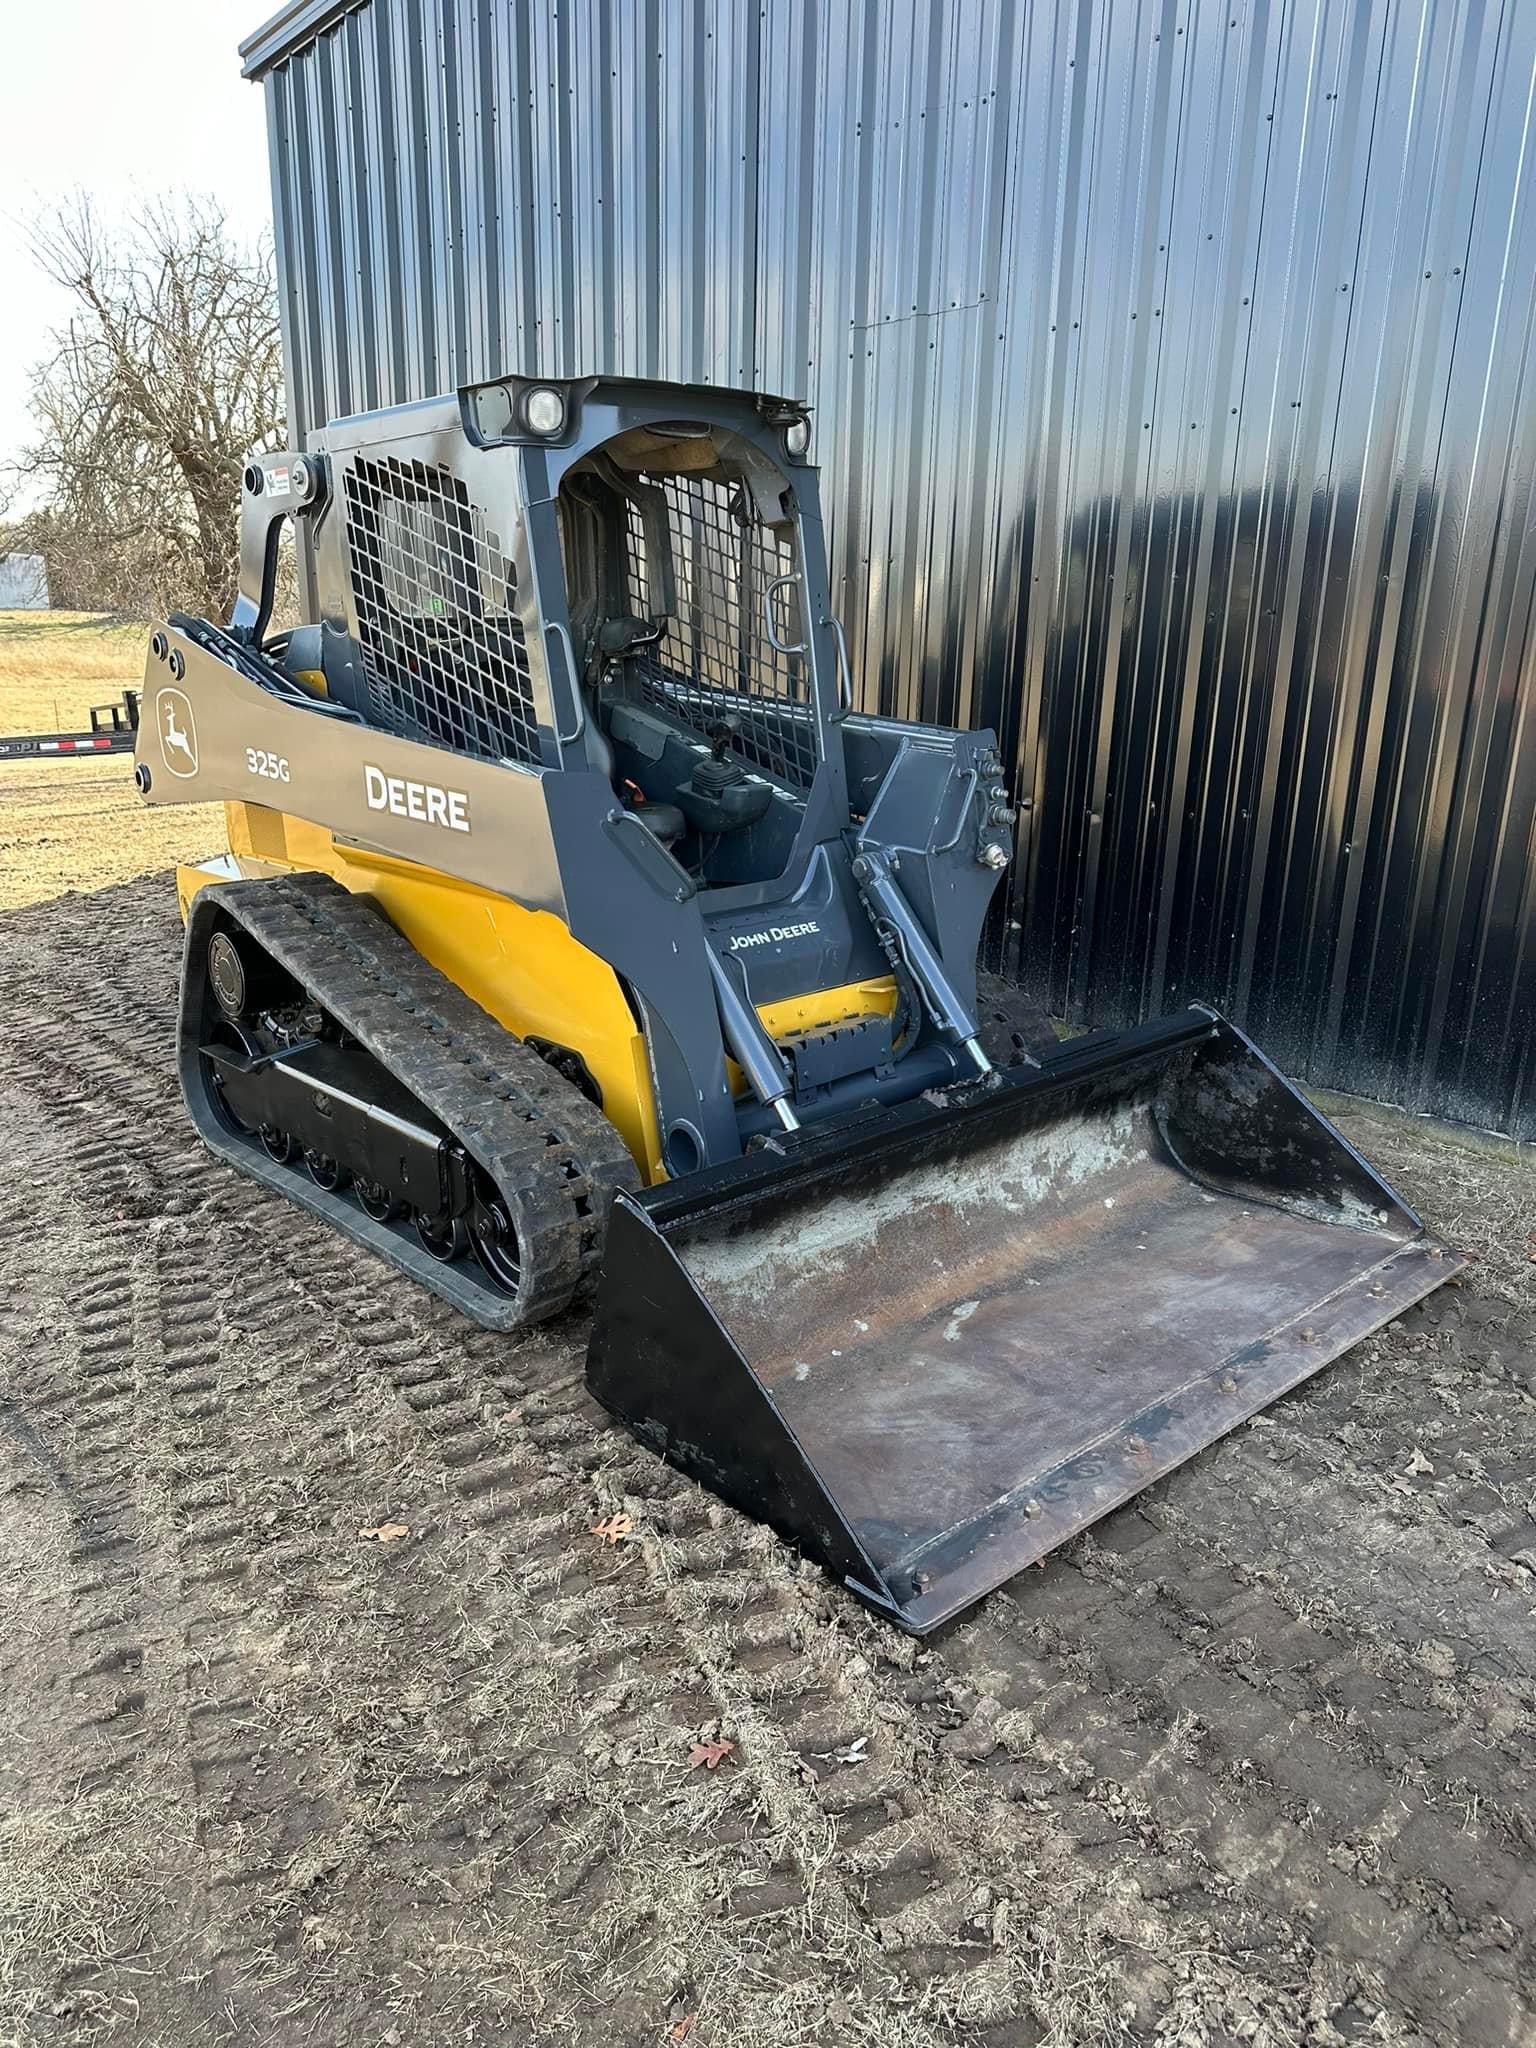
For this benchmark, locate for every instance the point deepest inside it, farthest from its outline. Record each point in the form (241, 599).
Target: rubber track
(554, 1156)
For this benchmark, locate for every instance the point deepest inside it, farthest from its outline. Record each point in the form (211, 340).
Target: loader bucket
(931, 1346)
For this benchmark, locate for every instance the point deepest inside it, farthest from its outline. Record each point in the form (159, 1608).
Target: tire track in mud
(90, 1068)
(515, 1476)
(107, 1620)
(248, 1815)
(1360, 1909)
(1239, 1805)
(302, 1786)
(723, 1601)
(1251, 1757)
(153, 1449)
(107, 1706)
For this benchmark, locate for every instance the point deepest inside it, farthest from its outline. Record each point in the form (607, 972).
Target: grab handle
(844, 666)
(783, 646)
(554, 626)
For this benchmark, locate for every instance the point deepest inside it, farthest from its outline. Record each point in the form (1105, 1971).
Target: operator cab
(681, 554)
(601, 584)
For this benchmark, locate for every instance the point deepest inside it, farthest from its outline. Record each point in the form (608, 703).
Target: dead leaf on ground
(615, 1529)
(684, 2027)
(386, 1532)
(710, 1754)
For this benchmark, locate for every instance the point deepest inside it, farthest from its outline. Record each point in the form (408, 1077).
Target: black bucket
(930, 1346)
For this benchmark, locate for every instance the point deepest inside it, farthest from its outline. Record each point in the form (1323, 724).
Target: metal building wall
(1173, 370)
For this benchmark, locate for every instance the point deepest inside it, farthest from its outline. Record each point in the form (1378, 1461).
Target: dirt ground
(61, 820)
(1251, 1763)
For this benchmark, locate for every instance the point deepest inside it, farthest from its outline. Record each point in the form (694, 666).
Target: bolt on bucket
(930, 1347)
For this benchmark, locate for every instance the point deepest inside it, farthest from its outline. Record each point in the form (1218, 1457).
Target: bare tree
(168, 373)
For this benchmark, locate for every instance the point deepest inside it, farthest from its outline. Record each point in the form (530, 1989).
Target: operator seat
(663, 821)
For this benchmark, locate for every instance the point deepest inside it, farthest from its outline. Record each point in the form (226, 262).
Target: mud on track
(1251, 1763)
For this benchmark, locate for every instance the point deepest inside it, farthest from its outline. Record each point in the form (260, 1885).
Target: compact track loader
(577, 936)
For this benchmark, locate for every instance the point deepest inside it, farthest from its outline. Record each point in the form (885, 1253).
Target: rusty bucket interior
(931, 1349)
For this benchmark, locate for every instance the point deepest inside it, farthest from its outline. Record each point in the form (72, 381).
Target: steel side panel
(661, 1361)
(508, 844)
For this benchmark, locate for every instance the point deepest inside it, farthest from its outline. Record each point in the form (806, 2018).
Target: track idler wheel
(494, 1239)
(222, 1102)
(277, 1144)
(445, 1237)
(243, 979)
(225, 1109)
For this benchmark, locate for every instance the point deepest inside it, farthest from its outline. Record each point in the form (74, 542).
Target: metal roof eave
(288, 31)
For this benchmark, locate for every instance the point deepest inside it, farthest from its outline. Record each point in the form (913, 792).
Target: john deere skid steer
(577, 937)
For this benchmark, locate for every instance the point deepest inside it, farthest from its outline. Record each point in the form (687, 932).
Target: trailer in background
(113, 727)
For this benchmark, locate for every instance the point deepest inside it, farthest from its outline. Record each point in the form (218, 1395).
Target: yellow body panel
(521, 965)
(876, 997)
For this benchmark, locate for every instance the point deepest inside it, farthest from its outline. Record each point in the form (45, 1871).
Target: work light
(543, 410)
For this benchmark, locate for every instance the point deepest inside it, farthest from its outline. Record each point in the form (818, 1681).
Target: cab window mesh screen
(715, 660)
(442, 649)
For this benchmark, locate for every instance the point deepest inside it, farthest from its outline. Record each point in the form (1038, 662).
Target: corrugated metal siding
(1172, 365)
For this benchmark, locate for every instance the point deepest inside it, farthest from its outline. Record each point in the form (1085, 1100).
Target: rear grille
(442, 648)
(715, 661)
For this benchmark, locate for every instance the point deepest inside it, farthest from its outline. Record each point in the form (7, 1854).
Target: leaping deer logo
(174, 736)
(178, 733)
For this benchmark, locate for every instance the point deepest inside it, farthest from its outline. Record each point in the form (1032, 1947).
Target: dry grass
(83, 1893)
(68, 825)
(1479, 1196)
(55, 665)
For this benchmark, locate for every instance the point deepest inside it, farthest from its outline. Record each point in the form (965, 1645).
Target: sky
(122, 101)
